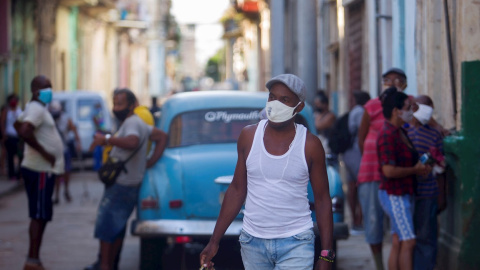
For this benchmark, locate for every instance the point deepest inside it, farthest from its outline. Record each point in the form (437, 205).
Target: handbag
(112, 168)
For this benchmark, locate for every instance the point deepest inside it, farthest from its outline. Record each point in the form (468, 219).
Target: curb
(15, 188)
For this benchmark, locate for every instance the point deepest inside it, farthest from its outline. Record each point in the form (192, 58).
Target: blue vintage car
(181, 196)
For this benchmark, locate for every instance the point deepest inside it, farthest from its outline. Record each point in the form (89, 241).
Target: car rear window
(87, 109)
(211, 126)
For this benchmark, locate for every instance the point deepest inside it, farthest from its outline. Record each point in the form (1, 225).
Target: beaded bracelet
(325, 259)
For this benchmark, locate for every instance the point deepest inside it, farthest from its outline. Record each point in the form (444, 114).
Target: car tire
(151, 253)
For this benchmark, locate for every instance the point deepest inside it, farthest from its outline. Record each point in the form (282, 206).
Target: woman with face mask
(399, 164)
(368, 177)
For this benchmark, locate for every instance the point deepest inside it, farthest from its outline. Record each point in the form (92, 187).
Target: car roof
(77, 93)
(216, 99)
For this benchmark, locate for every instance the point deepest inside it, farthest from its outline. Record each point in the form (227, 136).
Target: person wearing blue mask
(43, 160)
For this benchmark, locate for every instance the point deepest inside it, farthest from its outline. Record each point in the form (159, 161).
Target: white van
(81, 106)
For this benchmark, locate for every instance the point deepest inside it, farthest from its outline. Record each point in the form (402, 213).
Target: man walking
(43, 160)
(120, 199)
(276, 159)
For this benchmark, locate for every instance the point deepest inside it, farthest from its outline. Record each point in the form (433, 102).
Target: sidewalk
(8, 186)
(354, 253)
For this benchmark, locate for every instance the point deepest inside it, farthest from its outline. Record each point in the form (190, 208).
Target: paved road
(68, 241)
(69, 244)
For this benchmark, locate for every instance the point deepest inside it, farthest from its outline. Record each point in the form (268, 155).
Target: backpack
(340, 139)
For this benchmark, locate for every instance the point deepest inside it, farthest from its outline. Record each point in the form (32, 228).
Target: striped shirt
(424, 138)
(369, 166)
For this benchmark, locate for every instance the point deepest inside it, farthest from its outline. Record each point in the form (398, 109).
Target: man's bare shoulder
(312, 139)
(247, 134)
(250, 128)
(313, 145)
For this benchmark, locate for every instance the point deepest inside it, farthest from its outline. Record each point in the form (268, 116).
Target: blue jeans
(372, 212)
(116, 206)
(295, 252)
(426, 228)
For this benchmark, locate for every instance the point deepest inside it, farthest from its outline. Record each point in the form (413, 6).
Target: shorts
(68, 161)
(295, 252)
(116, 206)
(39, 187)
(351, 159)
(372, 212)
(400, 211)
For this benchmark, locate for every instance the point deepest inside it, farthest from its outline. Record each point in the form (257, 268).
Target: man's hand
(98, 139)
(323, 265)
(207, 254)
(150, 163)
(422, 169)
(50, 158)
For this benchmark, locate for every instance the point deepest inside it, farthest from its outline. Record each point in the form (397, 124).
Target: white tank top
(277, 204)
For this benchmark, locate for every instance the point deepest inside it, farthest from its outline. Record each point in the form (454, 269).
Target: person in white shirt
(276, 160)
(43, 160)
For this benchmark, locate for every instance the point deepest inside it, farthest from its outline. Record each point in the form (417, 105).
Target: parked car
(181, 195)
(81, 106)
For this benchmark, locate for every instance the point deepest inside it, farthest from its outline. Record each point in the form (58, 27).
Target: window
(211, 126)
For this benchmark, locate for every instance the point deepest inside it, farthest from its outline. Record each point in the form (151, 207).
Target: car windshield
(211, 126)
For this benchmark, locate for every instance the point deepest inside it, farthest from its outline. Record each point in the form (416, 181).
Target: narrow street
(69, 244)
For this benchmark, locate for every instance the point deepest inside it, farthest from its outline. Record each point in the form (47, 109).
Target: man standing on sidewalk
(119, 200)
(43, 160)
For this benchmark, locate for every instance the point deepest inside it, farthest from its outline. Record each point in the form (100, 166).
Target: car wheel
(151, 251)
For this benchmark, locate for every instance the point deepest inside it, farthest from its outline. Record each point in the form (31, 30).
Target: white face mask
(278, 112)
(406, 116)
(423, 114)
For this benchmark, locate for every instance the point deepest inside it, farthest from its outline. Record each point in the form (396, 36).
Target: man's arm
(25, 131)
(129, 142)
(160, 139)
(434, 124)
(325, 122)
(73, 128)
(363, 130)
(234, 197)
(315, 156)
(392, 171)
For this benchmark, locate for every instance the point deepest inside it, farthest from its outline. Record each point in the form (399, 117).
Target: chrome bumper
(151, 228)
